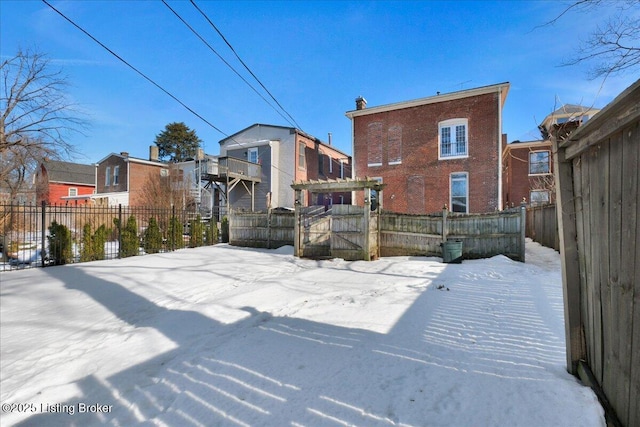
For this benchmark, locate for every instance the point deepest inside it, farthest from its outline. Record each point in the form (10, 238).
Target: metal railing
(42, 235)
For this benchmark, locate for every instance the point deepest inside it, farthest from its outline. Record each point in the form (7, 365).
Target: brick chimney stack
(154, 153)
(361, 103)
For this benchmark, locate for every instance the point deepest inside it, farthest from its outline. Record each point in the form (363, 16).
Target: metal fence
(41, 235)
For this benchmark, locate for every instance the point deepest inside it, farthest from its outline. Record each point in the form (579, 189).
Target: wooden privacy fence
(542, 225)
(271, 229)
(339, 232)
(482, 235)
(597, 193)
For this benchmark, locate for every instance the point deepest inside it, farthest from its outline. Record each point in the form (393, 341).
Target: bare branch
(36, 117)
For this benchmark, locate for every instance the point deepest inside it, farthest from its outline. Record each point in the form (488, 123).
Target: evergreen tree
(177, 143)
(59, 243)
(152, 237)
(175, 234)
(211, 233)
(129, 240)
(224, 229)
(87, 249)
(99, 239)
(196, 233)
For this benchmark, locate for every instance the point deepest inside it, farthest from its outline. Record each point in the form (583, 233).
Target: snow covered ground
(243, 337)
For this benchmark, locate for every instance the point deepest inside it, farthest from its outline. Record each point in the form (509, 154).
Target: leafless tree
(614, 46)
(167, 191)
(36, 117)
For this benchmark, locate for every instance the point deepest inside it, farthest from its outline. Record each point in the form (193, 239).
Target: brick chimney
(124, 154)
(361, 103)
(153, 153)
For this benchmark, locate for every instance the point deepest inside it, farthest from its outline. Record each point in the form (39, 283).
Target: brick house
(120, 178)
(435, 151)
(528, 173)
(60, 182)
(285, 155)
(528, 165)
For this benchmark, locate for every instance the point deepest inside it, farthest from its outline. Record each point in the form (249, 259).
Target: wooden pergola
(337, 185)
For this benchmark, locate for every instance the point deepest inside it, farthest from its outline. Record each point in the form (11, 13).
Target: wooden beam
(565, 199)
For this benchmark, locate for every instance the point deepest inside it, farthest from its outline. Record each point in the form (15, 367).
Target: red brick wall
(517, 183)
(131, 172)
(100, 177)
(311, 170)
(421, 181)
(139, 174)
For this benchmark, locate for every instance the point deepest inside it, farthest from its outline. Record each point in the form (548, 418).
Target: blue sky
(314, 57)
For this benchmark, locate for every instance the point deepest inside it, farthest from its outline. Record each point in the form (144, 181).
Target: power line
(229, 65)
(152, 81)
(242, 62)
(134, 68)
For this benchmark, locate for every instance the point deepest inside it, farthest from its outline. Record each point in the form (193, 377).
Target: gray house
(266, 159)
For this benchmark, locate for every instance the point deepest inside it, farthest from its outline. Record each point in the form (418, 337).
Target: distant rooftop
(75, 173)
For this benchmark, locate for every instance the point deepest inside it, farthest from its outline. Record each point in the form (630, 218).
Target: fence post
(119, 231)
(523, 229)
(42, 238)
(444, 224)
(268, 228)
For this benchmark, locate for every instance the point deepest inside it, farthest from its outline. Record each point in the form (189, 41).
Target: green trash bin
(452, 251)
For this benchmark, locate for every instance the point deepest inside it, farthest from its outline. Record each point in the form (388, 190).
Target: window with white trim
(107, 176)
(459, 191)
(73, 192)
(116, 175)
(453, 138)
(252, 155)
(539, 196)
(539, 162)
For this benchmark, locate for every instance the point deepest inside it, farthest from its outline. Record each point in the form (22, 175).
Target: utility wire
(243, 63)
(229, 65)
(134, 68)
(151, 81)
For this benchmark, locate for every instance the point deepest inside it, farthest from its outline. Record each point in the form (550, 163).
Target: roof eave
(502, 88)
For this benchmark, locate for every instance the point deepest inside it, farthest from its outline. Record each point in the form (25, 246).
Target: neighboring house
(282, 155)
(528, 173)
(60, 182)
(435, 151)
(528, 165)
(120, 178)
(568, 113)
(195, 178)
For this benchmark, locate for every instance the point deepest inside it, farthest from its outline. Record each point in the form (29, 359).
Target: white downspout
(500, 149)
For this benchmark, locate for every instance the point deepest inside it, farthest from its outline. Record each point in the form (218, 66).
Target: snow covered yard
(242, 337)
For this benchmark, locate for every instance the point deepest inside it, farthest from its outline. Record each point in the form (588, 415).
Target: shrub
(196, 232)
(87, 249)
(224, 229)
(175, 234)
(129, 245)
(59, 243)
(99, 239)
(211, 233)
(152, 239)
(93, 244)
